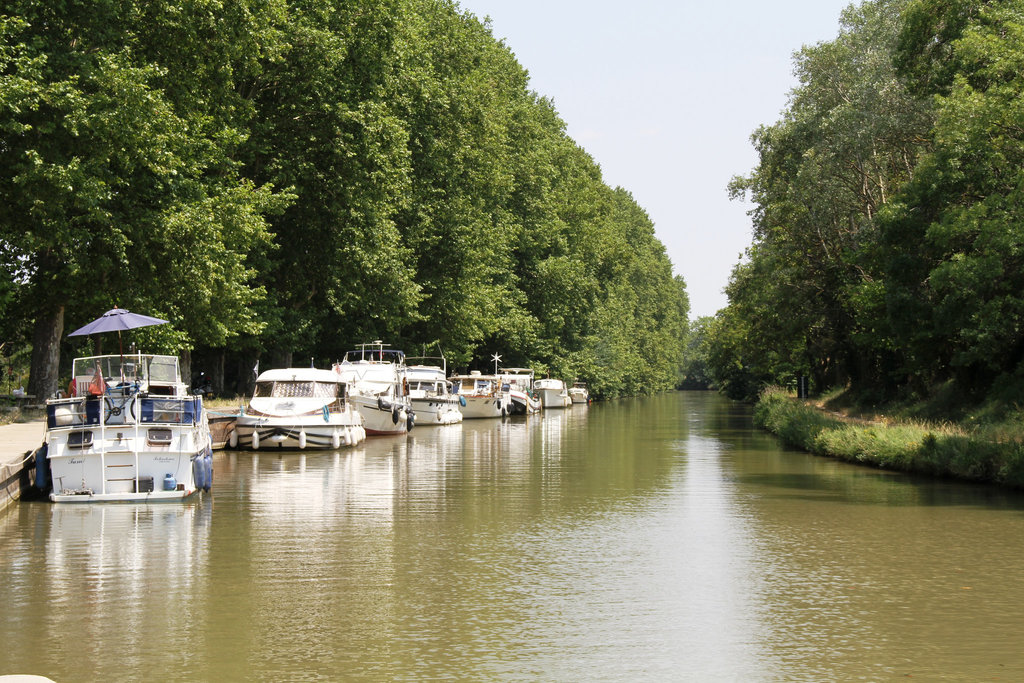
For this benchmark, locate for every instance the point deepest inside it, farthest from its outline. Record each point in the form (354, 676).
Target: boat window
(296, 389)
(158, 436)
(79, 439)
(293, 390)
(163, 369)
(325, 390)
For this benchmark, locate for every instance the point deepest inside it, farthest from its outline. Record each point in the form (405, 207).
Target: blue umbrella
(116, 320)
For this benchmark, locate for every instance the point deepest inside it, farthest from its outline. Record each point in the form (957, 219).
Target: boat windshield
(296, 389)
(140, 368)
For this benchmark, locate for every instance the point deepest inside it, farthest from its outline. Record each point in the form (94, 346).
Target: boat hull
(436, 411)
(554, 398)
(101, 474)
(150, 497)
(264, 432)
(480, 407)
(524, 404)
(381, 418)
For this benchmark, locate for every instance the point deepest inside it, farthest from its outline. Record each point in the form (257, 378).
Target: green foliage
(888, 252)
(908, 447)
(117, 190)
(297, 176)
(846, 143)
(696, 371)
(797, 424)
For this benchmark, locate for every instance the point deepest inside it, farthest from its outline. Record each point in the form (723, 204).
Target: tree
(105, 188)
(849, 140)
(958, 304)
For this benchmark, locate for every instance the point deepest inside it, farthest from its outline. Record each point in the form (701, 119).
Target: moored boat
(431, 396)
(520, 382)
(579, 393)
(485, 395)
(298, 408)
(553, 393)
(129, 431)
(378, 388)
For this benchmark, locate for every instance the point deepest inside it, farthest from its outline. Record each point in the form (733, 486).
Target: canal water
(654, 539)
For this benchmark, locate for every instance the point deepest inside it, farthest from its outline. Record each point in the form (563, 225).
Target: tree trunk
(186, 368)
(247, 363)
(45, 368)
(217, 373)
(279, 358)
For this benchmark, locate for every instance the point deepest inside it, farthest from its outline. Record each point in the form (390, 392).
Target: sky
(664, 95)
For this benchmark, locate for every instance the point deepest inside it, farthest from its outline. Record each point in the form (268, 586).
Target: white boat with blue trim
(128, 431)
(298, 408)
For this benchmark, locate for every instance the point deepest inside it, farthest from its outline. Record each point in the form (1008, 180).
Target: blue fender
(43, 467)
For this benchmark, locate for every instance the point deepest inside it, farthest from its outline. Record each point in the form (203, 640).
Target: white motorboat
(579, 393)
(485, 395)
(378, 388)
(520, 382)
(129, 431)
(553, 393)
(298, 408)
(431, 396)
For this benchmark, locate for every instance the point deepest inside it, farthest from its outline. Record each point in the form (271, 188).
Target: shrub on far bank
(991, 454)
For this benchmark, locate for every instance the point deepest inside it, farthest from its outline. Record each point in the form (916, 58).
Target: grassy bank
(991, 453)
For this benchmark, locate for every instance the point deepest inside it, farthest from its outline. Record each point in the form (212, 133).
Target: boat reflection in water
(122, 567)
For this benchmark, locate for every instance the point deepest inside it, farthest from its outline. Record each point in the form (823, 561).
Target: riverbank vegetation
(888, 251)
(985, 452)
(283, 179)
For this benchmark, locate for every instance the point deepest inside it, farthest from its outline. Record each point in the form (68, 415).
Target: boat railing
(116, 410)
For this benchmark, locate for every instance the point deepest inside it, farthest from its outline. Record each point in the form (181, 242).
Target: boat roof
(431, 371)
(298, 375)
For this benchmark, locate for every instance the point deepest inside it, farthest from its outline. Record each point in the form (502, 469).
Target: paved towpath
(17, 441)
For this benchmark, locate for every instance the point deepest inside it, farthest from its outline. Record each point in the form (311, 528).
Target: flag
(256, 369)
